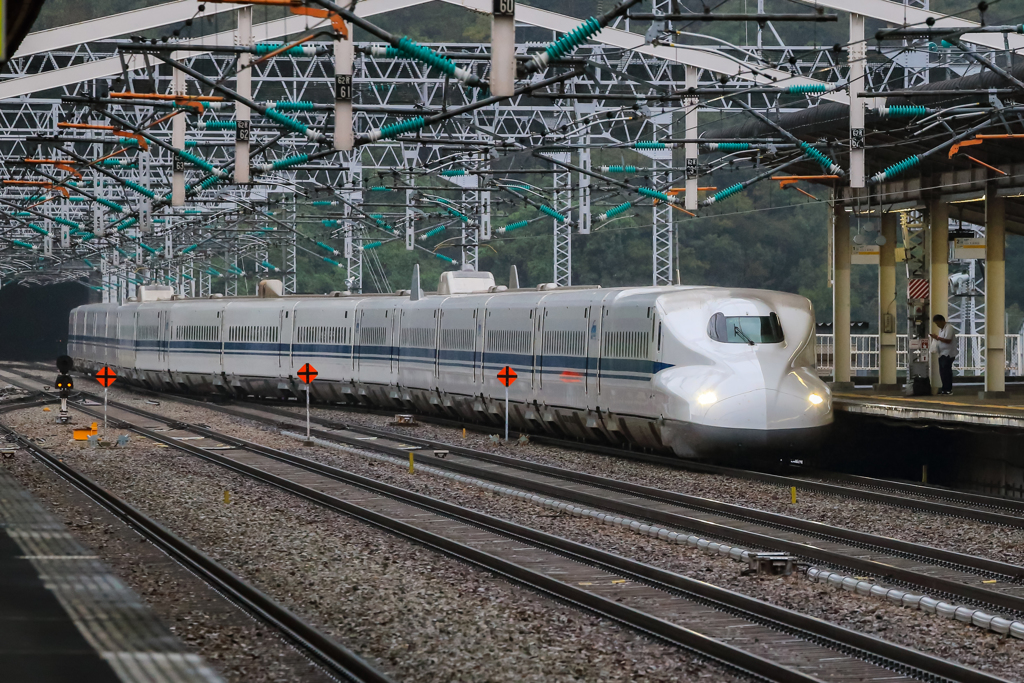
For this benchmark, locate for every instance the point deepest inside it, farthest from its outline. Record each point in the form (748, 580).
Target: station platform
(63, 615)
(963, 407)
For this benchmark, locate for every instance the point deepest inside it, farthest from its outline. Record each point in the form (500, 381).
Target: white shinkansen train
(698, 371)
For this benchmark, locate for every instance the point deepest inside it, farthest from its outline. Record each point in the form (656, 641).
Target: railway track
(742, 633)
(931, 499)
(948, 575)
(335, 658)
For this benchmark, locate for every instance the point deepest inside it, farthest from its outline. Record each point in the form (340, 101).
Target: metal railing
(864, 354)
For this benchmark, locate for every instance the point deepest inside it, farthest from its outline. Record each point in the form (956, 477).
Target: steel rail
(336, 658)
(819, 632)
(752, 475)
(935, 556)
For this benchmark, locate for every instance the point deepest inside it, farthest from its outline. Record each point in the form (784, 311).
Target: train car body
(698, 371)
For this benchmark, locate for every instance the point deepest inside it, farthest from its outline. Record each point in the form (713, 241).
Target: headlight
(707, 398)
(815, 399)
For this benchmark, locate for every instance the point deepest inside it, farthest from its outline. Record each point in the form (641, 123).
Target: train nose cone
(769, 409)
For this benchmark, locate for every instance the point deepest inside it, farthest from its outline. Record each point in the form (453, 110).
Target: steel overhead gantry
(386, 155)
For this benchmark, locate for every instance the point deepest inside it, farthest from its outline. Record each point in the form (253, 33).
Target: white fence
(864, 354)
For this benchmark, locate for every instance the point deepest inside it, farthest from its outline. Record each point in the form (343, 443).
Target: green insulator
(327, 247)
(212, 272)
(22, 214)
(190, 248)
(195, 161)
(615, 211)
(191, 143)
(907, 110)
(76, 200)
(378, 188)
(205, 184)
(573, 39)
(447, 259)
(649, 145)
(551, 212)
(426, 55)
(722, 194)
(125, 224)
(23, 245)
(268, 265)
(650, 192)
(393, 129)
(109, 204)
(122, 252)
(804, 88)
(826, 164)
(88, 263)
(433, 231)
(280, 118)
(897, 168)
(293, 106)
(187, 276)
(148, 248)
(332, 262)
(267, 48)
(372, 245)
(40, 230)
(731, 146)
(453, 172)
(458, 214)
(170, 278)
(289, 161)
(193, 212)
(88, 236)
(140, 189)
(220, 125)
(622, 169)
(330, 222)
(117, 163)
(323, 202)
(65, 221)
(515, 225)
(128, 142)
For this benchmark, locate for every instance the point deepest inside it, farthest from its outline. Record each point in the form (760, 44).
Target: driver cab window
(745, 329)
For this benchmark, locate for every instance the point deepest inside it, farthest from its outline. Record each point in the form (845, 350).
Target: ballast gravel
(949, 639)
(972, 537)
(419, 615)
(241, 649)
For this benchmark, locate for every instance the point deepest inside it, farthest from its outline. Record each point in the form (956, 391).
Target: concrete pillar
(344, 56)
(841, 252)
(178, 142)
(938, 274)
(995, 295)
(243, 84)
(887, 303)
(690, 148)
(858, 62)
(503, 48)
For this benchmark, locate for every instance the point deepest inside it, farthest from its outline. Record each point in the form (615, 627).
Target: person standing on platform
(945, 346)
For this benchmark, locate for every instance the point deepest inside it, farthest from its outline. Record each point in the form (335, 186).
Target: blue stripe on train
(606, 368)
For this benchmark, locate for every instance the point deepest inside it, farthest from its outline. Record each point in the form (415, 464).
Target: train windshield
(745, 329)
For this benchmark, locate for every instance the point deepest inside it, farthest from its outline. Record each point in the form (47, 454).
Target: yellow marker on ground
(412, 465)
(463, 432)
(227, 497)
(792, 495)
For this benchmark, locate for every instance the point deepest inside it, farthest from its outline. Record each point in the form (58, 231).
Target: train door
(478, 353)
(538, 346)
(594, 314)
(396, 339)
